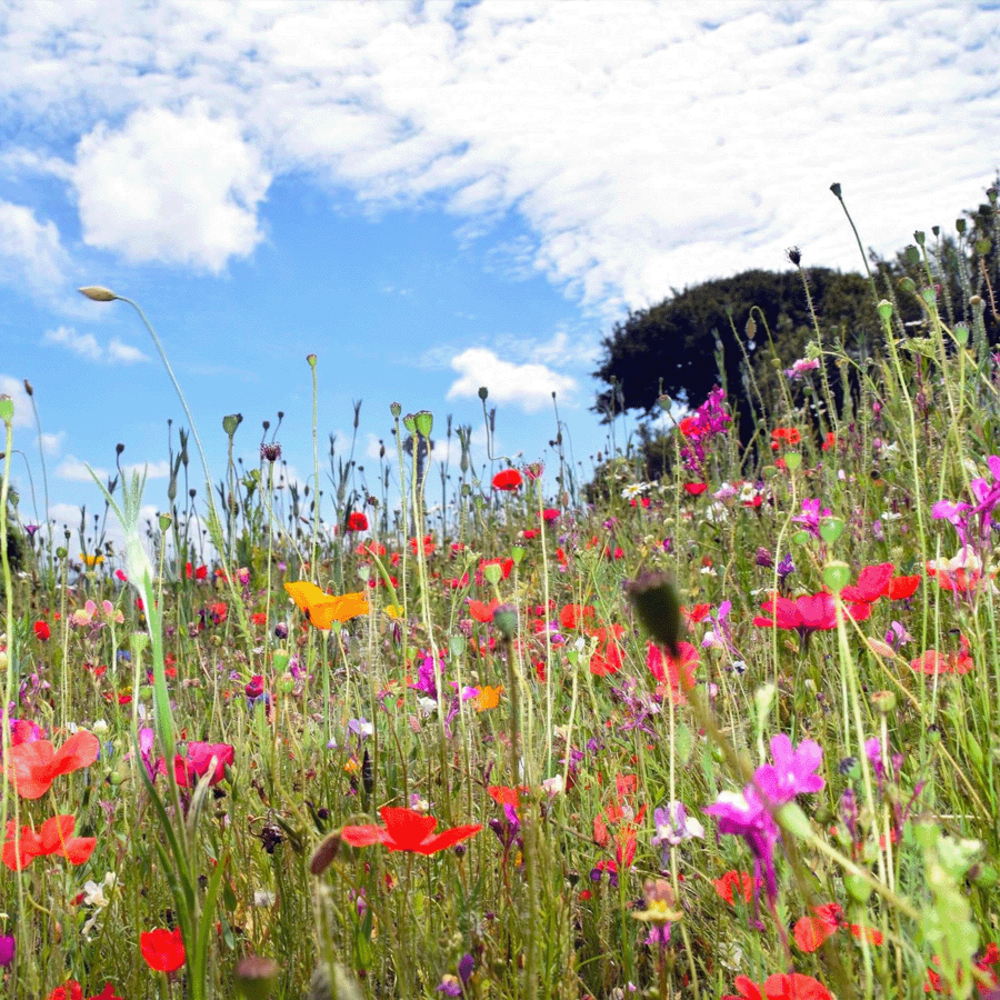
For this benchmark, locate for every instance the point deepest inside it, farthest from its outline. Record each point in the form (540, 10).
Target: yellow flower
(91, 561)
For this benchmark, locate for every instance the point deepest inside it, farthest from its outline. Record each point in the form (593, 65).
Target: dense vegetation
(716, 735)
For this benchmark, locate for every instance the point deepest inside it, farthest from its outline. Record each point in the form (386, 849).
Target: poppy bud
(256, 977)
(97, 293)
(324, 854)
(658, 608)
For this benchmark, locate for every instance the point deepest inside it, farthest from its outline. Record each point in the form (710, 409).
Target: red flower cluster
(782, 436)
(933, 662)
(53, 837)
(72, 990)
(811, 932)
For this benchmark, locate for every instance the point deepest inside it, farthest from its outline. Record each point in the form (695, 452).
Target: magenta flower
(792, 773)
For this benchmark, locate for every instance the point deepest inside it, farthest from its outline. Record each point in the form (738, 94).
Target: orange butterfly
(322, 609)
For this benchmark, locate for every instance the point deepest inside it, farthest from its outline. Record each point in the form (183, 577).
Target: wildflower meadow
(732, 733)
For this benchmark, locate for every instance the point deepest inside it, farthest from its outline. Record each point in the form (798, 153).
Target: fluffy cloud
(75, 470)
(646, 146)
(14, 387)
(86, 346)
(31, 253)
(178, 187)
(530, 386)
(152, 470)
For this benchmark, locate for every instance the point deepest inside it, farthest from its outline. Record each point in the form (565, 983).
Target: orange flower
(322, 609)
(34, 766)
(53, 837)
(489, 697)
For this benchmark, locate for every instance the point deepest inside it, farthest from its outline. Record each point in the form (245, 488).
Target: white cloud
(75, 470)
(84, 344)
(152, 470)
(178, 187)
(52, 443)
(31, 254)
(14, 387)
(126, 353)
(644, 146)
(530, 385)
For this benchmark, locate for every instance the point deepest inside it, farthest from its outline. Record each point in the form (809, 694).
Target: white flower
(554, 785)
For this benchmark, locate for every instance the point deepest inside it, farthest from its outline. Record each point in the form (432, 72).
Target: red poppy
(690, 427)
(34, 766)
(407, 830)
(508, 479)
(678, 677)
(551, 514)
(608, 658)
(784, 435)
(163, 950)
(781, 986)
(53, 837)
(42, 632)
(70, 990)
(807, 614)
(695, 489)
(811, 932)
(830, 441)
(357, 521)
(201, 757)
(899, 588)
(872, 583)
(735, 883)
(576, 615)
(483, 612)
(933, 662)
(201, 573)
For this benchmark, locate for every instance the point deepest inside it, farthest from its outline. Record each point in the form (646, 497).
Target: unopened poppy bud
(424, 421)
(505, 619)
(483, 393)
(835, 188)
(324, 855)
(6, 409)
(256, 977)
(976, 301)
(920, 237)
(28, 388)
(884, 702)
(794, 255)
(658, 608)
(97, 293)
(885, 308)
(231, 422)
(751, 328)
(906, 283)
(983, 876)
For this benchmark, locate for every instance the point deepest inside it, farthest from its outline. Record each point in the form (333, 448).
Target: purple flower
(812, 511)
(792, 773)
(426, 680)
(745, 816)
(674, 826)
(7, 949)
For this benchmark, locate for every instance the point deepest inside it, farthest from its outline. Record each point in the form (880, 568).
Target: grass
(550, 722)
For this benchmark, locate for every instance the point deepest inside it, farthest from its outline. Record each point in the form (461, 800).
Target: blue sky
(432, 197)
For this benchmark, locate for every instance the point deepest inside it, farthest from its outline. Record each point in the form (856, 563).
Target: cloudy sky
(432, 197)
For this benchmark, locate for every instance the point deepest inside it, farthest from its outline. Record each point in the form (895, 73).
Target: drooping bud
(98, 293)
(655, 600)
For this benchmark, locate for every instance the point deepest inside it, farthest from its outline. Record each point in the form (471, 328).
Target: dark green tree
(675, 348)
